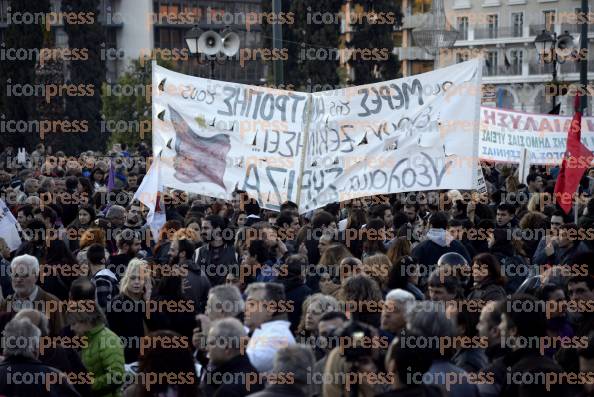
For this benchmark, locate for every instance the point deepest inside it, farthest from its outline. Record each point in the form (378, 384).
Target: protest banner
(505, 133)
(214, 137)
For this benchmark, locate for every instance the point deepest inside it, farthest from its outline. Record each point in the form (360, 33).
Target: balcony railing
(541, 68)
(500, 32)
(512, 70)
(536, 29)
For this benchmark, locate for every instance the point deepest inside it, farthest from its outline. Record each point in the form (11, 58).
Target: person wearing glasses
(557, 219)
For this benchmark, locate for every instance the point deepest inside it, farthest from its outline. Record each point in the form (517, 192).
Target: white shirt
(266, 341)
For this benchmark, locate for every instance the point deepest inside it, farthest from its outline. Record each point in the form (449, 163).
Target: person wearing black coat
(21, 363)
(195, 283)
(488, 280)
(296, 291)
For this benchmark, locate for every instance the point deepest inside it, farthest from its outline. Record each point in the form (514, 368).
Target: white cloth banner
(505, 133)
(9, 227)
(149, 193)
(395, 136)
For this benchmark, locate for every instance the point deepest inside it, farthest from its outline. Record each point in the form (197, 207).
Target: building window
(517, 24)
(463, 27)
(549, 20)
(3, 10)
(492, 24)
(515, 63)
(421, 6)
(491, 63)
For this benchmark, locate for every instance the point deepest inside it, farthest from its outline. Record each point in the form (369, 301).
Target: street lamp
(547, 44)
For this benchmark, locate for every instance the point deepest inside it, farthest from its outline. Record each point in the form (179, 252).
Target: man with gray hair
(394, 310)
(229, 371)
(292, 367)
(21, 374)
(223, 301)
(266, 317)
(28, 295)
(55, 355)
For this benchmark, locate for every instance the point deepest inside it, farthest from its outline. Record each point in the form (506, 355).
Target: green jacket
(104, 357)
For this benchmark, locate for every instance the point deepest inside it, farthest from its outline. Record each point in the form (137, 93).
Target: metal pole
(212, 66)
(277, 42)
(554, 59)
(583, 57)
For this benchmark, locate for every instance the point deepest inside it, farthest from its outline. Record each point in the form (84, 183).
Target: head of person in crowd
(407, 367)
(137, 281)
(116, 215)
(31, 187)
(25, 215)
(132, 181)
(186, 233)
(568, 235)
(383, 212)
(4, 249)
(225, 341)
(22, 339)
(181, 251)
(193, 223)
(165, 356)
(350, 266)
(264, 302)
(85, 217)
(487, 269)
(378, 267)
(556, 221)
(325, 241)
(24, 270)
(314, 307)
(399, 248)
(82, 289)
(581, 287)
(134, 215)
(394, 310)
(81, 322)
(288, 225)
(522, 318)
(362, 297)
(212, 229)
(459, 265)
(553, 294)
(534, 183)
(296, 362)
(224, 301)
(98, 176)
(488, 324)
(356, 216)
(37, 318)
(403, 273)
(411, 210)
(93, 235)
(323, 222)
(374, 237)
(443, 285)
(329, 327)
(505, 215)
(429, 319)
(128, 242)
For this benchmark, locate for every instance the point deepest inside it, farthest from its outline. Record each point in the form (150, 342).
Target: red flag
(576, 161)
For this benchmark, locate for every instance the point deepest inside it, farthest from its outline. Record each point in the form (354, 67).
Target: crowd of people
(435, 293)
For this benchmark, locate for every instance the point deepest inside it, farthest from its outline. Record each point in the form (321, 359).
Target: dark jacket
(279, 391)
(521, 362)
(487, 291)
(127, 319)
(296, 292)
(10, 386)
(213, 382)
(427, 252)
(470, 360)
(199, 286)
(215, 262)
(66, 360)
(561, 256)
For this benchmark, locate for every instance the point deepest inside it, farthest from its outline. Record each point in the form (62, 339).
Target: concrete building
(503, 31)
(142, 28)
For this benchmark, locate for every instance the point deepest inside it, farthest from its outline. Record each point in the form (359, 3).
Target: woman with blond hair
(399, 248)
(127, 313)
(328, 267)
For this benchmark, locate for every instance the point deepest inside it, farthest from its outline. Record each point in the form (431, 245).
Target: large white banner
(505, 133)
(416, 133)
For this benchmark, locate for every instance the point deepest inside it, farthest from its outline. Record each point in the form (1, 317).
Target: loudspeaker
(230, 43)
(210, 43)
